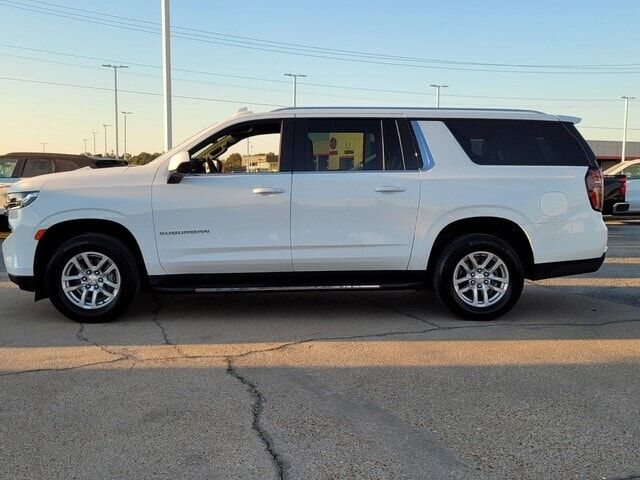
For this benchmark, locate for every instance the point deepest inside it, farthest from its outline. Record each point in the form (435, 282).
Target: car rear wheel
(479, 277)
(92, 278)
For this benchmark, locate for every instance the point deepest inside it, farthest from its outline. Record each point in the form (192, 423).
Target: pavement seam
(83, 338)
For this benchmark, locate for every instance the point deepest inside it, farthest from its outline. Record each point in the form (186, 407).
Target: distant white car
(631, 169)
(467, 202)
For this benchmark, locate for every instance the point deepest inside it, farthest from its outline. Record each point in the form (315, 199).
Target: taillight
(623, 187)
(595, 187)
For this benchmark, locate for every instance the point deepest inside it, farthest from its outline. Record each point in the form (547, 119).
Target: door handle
(268, 191)
(389, 189)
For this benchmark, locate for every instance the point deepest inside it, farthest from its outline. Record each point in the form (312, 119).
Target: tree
(143, 158)
(233, 163)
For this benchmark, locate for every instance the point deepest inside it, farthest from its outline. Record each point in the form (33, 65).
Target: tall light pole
(438, 87)
(94, 142)
(85, 140)
(626, 99)
(105, 138)
(43, 144)
(124, 114)
(166, 72)
(115, 89)
(295, 77)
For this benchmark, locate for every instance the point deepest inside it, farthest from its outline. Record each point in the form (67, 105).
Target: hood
(83, 177)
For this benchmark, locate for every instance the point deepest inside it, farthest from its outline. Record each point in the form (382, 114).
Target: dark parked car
(615, 190)
(17, 165)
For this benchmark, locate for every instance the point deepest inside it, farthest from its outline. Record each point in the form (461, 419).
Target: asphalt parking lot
(330, 386)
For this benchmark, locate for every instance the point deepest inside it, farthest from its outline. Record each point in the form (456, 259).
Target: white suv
(467, 202)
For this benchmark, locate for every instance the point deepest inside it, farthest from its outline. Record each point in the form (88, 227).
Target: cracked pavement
(327, 386)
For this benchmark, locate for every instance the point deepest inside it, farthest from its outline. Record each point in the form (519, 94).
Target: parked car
(17, 165)
(631, 169)
(615, 188)
(467, 202)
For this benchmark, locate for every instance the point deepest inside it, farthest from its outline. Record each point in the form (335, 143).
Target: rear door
(632, 171)
(355, 195)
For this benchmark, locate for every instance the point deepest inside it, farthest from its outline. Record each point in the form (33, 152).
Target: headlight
(20, 199)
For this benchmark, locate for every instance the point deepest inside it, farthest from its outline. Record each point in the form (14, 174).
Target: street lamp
(85, 145)
(624, 127)
(295, 85)
(124, 114)
(43, 144)
(105, 138)
(165, 10)
(438, 87)
(94, 141)
(115, 89)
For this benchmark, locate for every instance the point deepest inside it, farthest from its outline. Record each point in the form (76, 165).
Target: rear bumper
(562, 269)
(24, 282)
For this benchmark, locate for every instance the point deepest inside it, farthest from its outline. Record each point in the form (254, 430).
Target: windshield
(7, 167)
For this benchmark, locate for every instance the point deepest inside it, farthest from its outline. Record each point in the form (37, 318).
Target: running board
(287, 289)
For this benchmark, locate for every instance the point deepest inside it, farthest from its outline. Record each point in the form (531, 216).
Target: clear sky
(569, 33)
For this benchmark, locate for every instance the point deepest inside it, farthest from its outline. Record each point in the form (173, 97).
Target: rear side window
(519, 142)
(8, 167)
(35, 166)
(339, 145)
(64, 165)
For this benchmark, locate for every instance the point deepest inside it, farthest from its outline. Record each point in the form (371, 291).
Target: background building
(609, 152)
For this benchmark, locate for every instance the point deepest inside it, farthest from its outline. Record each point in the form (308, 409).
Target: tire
(116, 283)
(474, 293)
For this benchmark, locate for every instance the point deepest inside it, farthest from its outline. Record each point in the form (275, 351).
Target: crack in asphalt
(83, 338)
(156, 308)
(258, 402)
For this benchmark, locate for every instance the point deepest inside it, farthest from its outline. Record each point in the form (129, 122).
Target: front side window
(518, 142)
(339, 145)
(7, 167)
(36, 166)
(252, 147)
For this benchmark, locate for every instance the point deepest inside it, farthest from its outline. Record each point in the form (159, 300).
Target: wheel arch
(508, 230)
(56, 234)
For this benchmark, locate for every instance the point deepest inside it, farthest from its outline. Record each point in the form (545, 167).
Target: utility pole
(166, 72)
(438, 87)
(124, 114)
(295, 85)
(43, 144)
(85, 140)
(94, 142)
(626, 99)
(115, 89)
(105, 138)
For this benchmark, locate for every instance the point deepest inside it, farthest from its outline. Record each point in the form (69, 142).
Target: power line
(339, 51)
(320, 53)
(321, 85)
(140, 92)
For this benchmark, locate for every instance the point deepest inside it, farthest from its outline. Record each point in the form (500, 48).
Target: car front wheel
(92, 278)
(479, 277)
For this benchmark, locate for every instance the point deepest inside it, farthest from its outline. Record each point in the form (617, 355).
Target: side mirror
(179, 166)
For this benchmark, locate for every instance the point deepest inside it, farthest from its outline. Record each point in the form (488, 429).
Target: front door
(354, 197)
(233, 213)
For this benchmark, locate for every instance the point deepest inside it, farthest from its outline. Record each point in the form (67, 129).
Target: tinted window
(34, 167)
(339, 145)
(517, 142)
(412, 159)
(7, 167)
(64, 165)
(392, 152)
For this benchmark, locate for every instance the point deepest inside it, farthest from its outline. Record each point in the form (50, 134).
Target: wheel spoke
(71, 288)
(77, 265)
(68, 278)
(102, 261)
(484, 296)
(490, 257)
(87, 262)
(458, 281)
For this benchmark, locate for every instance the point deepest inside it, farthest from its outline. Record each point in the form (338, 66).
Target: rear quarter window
(519, 142)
